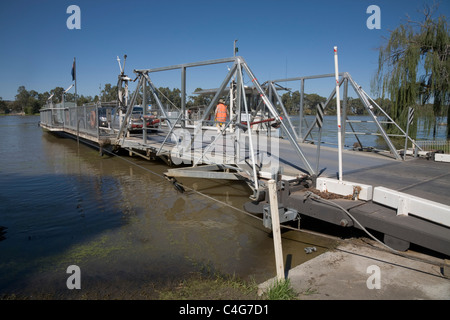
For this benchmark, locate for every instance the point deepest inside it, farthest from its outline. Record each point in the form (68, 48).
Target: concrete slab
(442, 157)
(352, 272)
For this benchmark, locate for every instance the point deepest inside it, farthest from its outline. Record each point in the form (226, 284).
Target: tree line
(31, 101)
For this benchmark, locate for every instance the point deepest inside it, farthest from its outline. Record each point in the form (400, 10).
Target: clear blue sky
(278, 39)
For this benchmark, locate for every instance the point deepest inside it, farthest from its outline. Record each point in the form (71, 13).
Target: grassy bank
(196, 287)
(220, 287)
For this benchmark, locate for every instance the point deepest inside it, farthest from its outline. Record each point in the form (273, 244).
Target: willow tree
(414, 68)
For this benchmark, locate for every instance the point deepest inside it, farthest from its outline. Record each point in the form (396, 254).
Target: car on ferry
(102, 118)
(137, 117)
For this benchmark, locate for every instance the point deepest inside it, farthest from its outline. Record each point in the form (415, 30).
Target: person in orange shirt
(221, 114)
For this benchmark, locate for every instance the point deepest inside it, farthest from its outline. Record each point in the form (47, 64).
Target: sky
(278, 39)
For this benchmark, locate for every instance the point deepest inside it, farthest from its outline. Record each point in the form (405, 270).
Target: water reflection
(116, 218)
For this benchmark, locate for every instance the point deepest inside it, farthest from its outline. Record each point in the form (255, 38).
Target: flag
(73, 70)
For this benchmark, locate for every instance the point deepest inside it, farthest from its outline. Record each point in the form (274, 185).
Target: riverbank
(354, 272)
(196, 287)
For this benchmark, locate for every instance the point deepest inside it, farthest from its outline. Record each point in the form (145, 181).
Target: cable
(309, 194)
(167, 99)
(396, 252)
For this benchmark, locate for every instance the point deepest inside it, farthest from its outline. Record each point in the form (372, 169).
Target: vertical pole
(300, 112)
(97, 126)
(344, 110)
(232, 106)
(239, 102)
(144, 111)
(75, 75)
(416, 149)
(276, 229)
(338, 112)
(407, 131)
(319, 123)
(319, 141)
(183, 97)
(249, 129)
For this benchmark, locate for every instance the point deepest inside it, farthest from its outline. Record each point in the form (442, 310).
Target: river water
(329, 129)
(127, 229)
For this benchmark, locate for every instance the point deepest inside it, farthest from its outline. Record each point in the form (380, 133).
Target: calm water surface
(329, 131)
(127, 228)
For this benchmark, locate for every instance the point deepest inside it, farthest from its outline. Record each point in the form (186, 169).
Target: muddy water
(127, 229)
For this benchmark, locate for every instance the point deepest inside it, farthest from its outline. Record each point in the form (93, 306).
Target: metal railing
(86, 119)
(434, 145)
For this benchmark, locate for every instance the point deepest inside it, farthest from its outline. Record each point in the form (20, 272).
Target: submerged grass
(213, 287)
(226, 287)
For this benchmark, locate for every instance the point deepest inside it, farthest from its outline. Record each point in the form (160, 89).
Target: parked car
(137, 120)
(102, 119)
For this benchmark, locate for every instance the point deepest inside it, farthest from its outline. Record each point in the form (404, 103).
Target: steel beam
(187, 65)
(275, 114)
(183, 96)
(369, 108)
(284, 110)
(216, 98)
(129, 109)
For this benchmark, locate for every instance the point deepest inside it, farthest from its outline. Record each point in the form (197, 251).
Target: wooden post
(276, 229)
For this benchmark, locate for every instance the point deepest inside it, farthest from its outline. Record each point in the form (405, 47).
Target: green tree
(109, 93)
(199, 99)
(312, 99)
(57, 94)
(22, 98)
(414, 67)
(27, 101)
(43, 98)
(84, 100)
(33, 104)
(287, 100)
(170, 98)
(291, 102)
(3, 106)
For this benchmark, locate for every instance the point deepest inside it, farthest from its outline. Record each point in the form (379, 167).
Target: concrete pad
(442, 157)
(352, 272)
